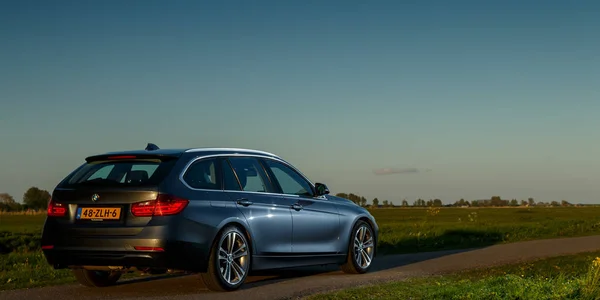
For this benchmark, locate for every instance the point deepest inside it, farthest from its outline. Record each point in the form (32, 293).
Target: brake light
(164, 205)
(56, 209)
(47, 247)
(122, 157)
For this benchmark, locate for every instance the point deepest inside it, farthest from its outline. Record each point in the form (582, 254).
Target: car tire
(92, 278)
(361, 249)
(227, 255)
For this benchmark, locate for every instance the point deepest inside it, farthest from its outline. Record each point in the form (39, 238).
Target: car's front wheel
(229, 261)
(360, 249)
(92, 278)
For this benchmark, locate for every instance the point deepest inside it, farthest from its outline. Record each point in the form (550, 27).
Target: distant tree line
(362, 201)
(499, 202)
(494, 201)
(37, 199)
(33, 199)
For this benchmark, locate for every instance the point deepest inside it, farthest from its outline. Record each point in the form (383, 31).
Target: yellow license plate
(99, 213)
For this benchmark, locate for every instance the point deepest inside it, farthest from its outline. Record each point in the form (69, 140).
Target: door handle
(297, 206)
(244, 202)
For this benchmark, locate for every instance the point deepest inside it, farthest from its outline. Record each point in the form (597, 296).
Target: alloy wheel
(233, 258)
(363, 246)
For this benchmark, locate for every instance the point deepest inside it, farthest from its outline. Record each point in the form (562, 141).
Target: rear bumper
(180, 247)
(172, 255)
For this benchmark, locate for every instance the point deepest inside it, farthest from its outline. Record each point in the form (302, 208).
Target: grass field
(564, 277)
(417, 230)
(22, 223)
(402, 230)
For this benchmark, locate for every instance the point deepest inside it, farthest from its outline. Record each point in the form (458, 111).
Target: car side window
(290, 181)
(202, 175)
(250, 174)
(230, 182)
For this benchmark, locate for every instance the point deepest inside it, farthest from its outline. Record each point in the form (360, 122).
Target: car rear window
(131, 172)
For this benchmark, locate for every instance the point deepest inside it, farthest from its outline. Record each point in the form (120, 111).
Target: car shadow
(384, 260)
(148, 278)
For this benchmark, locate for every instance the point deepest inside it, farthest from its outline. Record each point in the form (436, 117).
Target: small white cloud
(389, 171)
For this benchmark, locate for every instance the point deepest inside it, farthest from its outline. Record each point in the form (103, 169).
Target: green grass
(565, 277)
(22, 264)
(405, 230)
(20, 232)
(402, 230)
(418, 230)
(22, 223)
(30, 269)
(26, 270)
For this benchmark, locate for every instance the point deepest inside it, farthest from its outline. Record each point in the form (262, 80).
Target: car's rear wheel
(229, 261)
(92, 278)
(360, 249)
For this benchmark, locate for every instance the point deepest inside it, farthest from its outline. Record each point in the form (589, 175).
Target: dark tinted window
(229, 181)
(202, 175)
(290, 181)
(138, 172)
(250, 174)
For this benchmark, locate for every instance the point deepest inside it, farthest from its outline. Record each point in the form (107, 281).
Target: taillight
(56, 209)
(164, 205)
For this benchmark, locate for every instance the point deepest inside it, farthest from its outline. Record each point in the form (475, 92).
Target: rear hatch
(112, 195)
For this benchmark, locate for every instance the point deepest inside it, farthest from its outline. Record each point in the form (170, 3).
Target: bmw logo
(95, 197)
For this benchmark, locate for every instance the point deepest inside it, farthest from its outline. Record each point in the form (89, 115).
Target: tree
(523, 203)
(497, 201)
(375, 202)
(385, 203)
(565, 203)
(7, 199)
(342, 195)
(437, 203)
(354, 198)
(514, 202)
(8, 203)
(460, 202)
(36, 198)
(363, 201)
(419, 203)
(404, 203)
(531, 201)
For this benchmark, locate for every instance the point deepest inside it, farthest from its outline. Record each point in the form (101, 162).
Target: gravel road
(292, 284)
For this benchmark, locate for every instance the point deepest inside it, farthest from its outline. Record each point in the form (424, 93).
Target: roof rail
(231, 149)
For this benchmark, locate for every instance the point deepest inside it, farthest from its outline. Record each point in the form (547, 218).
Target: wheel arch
(236, 222)
(373, 229)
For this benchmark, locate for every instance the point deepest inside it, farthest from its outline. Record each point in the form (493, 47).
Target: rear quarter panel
(207, 212)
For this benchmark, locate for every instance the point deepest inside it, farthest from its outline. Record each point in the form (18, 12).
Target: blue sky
(493, 97)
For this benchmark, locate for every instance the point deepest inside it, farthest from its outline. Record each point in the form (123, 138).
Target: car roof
(230, 150)
(181, 151)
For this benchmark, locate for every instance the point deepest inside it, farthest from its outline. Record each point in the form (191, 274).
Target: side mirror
(321, 189)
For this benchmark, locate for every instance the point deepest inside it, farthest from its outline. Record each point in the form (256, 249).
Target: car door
(316, 224)
(267, 214)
